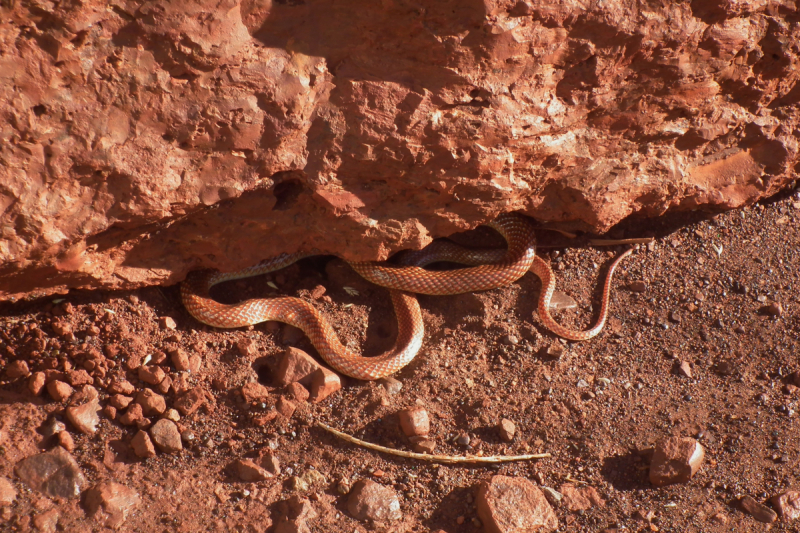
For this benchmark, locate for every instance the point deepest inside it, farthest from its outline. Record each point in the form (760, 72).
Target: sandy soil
(598, 407)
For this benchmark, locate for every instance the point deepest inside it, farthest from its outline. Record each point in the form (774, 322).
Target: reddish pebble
(66, 441)
(254, 392)
(514, 504)
(17, 369)
(414, 421)
(142, 445)
(59, 390)
(167, 322)
(324, 382)
(133, 415)
(675, 460)
(506, 429)
(36, 383)
(152, 403)
(179, 359)
(297, 391)
(152, 375)
(787, 505)
(121, 386)
(120, 401)
(285, 407)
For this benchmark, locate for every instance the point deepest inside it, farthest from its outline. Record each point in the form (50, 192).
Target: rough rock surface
(675, 460)
(111, 502)
(55, 473)
(514, 505)
(144, 140)
(372, 501)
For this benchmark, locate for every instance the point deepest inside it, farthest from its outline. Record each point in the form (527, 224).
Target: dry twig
(447, 459)
(614, 242)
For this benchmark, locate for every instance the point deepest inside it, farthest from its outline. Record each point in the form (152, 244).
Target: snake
(486, 268)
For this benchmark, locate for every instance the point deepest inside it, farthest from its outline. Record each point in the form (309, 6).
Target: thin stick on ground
(615, 242)
(447, 459)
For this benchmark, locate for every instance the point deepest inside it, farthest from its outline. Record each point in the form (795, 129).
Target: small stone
(725, 368)
(7, 492)
(142, 445)
(254, 392)
(369, 500)
(110, 412)
(121, 386)
(54, 473)
(166, 436)
(152, 375)
(297, 484)
(59, 390)
(285, 407)
(120, 401)
(580, 498)
(509, 340)
(637, 286)
(298, 392)
(773, 309)
(391, 385)
(561, 300)
(295, 366)
(787, 504)
(133, 415)
(167, 322)
(36, 383)
(17, 369)
(195, 363)
(683, 368)
(675, 316)
(463, 440)
(514, 505)
(192, 400)
(313, 477)
(188, 436)
(506, 429)
(66, 441)
(247, 470)
(77, 378)
(152, 403)
(298, 513)
(46, 522)
(85, 417)
(52, 427)
(759, 511)
(172, 414)
(554, 351)
(179, 359)
(247, 347)
(110, 502)
(414, 421)
(270, 462)
(324, 382)
(552, 495)
(423, 444)
(675, 460)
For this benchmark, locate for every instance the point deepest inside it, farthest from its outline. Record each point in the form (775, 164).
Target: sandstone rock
(514, 505)
(59, 390)
(179, 359)
(142, 445)
(369, 500)
(295, 366)
(166, 436)
(757, 510)
(46, 522)
(675, 460)
(7, 491)
(506, 429)
(192, 400)
(152, 403)
(17, 369)
(85, 417)
(787, 504)
(254, 392)
(414, 421)
(298, 511)
(121, 386)
(285, 407)
(247, 470)
(324, 382)
(270, 462)
(36, 383)
(54, 473)
(580, 498)
(66, 441)
(297, 391)
(78, 378)
(133, 415)
(422, 444)
(120, 401)
(152, 375)
(110, 503)
(358, 134)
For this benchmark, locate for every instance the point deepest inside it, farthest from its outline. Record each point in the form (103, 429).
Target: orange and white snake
(490, 268)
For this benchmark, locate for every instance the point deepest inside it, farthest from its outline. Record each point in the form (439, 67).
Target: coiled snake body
(490, 268)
